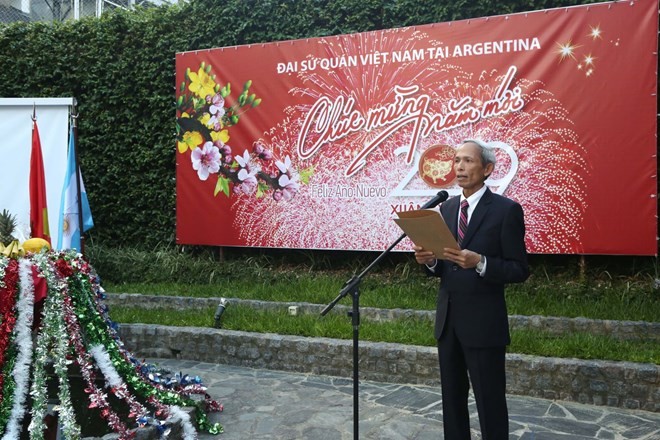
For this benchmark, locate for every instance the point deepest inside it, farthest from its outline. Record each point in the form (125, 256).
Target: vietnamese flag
(38, 206)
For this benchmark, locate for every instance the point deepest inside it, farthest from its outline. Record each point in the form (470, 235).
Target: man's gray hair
(487, 152)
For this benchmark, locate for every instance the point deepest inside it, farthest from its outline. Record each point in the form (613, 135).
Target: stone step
(615, 384)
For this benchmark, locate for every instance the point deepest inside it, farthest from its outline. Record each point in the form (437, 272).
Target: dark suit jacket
(496, 230)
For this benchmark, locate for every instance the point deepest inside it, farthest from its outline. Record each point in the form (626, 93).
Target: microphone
(435, 201)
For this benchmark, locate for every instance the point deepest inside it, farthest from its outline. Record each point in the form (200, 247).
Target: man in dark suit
(471, 324)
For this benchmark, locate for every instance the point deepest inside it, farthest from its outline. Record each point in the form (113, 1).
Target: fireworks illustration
(338, 212)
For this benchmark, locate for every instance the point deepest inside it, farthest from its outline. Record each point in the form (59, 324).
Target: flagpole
(74, 124)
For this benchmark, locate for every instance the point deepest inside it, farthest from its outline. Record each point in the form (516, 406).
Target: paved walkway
(264, 404)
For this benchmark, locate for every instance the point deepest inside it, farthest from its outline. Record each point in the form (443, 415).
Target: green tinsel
(96, 330)
(71, 429)
(38, 389)
(55, 345)
(7, 387)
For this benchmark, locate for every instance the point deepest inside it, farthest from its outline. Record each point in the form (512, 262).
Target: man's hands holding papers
(433, 240)
(462, 257)
(423, 256)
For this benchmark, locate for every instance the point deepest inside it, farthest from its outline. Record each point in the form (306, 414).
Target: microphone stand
(352, 287)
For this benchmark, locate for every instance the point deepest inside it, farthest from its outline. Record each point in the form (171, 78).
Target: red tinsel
(7, 311)
(96, 396)
(63, 267)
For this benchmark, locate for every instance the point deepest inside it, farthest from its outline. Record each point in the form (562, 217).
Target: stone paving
(265, 404)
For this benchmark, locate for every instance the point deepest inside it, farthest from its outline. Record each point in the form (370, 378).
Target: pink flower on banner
(225, 151)
(288, 181)
(263, 152)
(206, 160)
(245, 161)
(217, 107)
(216, 111)
(214, 123)
(289, 187)
(247, 186)
(247, 174)
(284, 166)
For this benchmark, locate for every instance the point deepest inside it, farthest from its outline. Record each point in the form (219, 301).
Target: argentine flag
(69, 230)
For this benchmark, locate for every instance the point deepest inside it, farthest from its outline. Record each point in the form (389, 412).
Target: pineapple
(7, 226)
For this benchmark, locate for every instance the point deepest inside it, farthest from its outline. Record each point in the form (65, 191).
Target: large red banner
(316, 143)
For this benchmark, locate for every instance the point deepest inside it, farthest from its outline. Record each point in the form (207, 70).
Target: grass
(312, 288)
(404, 331)
(619, 288)
(419, 293)
(584, 346)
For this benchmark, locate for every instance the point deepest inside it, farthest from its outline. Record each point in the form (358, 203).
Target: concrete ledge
(622, 330)
(615, 384)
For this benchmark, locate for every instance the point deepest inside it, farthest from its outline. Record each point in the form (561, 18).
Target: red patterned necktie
(463, 221)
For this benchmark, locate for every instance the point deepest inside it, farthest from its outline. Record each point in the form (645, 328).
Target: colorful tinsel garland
(74, 330)
(23, 341)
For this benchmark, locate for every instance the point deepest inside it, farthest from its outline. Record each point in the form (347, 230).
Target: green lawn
(535, 297)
